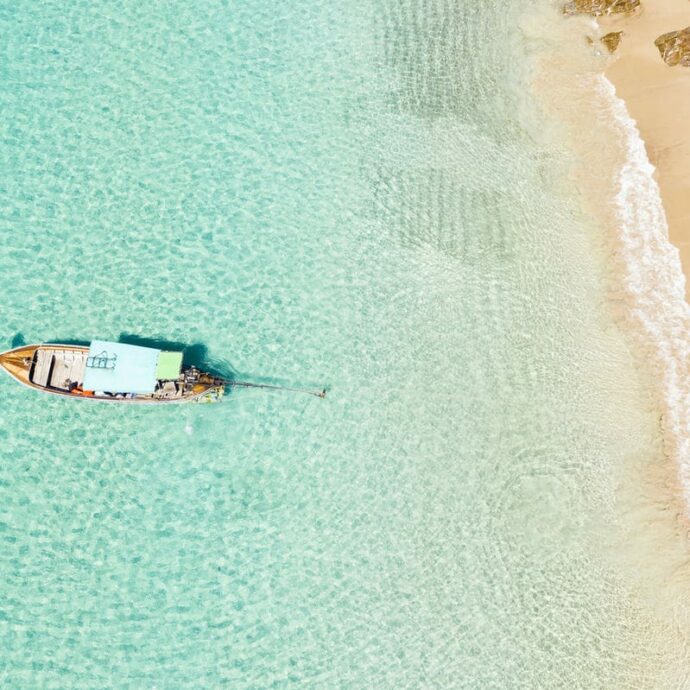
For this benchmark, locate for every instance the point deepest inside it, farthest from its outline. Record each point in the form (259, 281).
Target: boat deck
(59, 368)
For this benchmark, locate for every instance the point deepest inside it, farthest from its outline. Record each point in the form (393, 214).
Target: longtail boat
(112, 372)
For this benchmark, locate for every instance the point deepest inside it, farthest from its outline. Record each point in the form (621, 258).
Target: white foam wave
(654, 284)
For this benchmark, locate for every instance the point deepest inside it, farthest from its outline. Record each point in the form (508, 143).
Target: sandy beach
(658, 98)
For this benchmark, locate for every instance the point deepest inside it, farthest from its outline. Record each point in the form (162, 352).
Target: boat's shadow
(193, 354)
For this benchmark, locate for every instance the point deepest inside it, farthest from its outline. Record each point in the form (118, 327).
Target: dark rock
(675, 47)
(597, 8)
(612, 40)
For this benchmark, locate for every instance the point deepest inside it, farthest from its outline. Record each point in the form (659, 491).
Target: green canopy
(169, 365)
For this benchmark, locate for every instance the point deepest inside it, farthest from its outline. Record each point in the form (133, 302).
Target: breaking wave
(653, 284)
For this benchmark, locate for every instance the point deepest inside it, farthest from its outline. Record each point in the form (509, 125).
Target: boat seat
(60, 378)
(44, 360)
(78, 368)
(169, 390)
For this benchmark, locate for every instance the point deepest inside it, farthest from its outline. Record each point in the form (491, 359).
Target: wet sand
(658, 98)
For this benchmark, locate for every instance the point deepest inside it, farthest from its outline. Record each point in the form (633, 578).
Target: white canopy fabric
(120, 368)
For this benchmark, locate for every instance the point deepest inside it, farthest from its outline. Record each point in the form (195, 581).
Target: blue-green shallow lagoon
(348, 194)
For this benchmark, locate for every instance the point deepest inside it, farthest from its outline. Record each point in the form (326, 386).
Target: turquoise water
(354, 195)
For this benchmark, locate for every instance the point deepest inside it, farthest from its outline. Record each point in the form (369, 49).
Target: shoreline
(632, 172)
(618, 188)
(657, 97)
(653, 219)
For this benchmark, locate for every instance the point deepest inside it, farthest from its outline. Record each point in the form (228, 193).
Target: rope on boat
(246, 384)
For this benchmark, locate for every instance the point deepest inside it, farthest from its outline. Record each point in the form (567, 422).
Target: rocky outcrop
(612, 40)
(597, 8)
(675, 47)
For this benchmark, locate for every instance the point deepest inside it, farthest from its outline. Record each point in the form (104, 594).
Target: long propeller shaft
(246, 384)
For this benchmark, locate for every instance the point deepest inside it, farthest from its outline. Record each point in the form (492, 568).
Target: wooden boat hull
(20, 364)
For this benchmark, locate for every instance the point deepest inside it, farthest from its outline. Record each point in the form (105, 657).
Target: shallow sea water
(357, 196)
